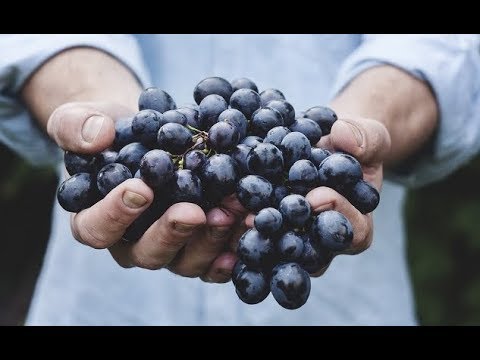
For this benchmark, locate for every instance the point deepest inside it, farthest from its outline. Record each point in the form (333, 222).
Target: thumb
(366, 139)
(84, 127)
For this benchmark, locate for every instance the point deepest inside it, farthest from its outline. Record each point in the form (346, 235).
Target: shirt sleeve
(21, 56)
(450, 64)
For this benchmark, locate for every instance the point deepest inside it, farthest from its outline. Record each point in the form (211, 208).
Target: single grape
(212, 85)
(339, 170)
(131, 155)
(243, 83)
(290, 285)
(279, 192)
(79, 163)
(186, 187)
(236, 118)
(269, 95)
(363, 196)
(219, 175)
(246, 101)
(309, 128)
(263, 120)
(237, 269)
(194, 160)
(314, 258)
(110, 176)
(252, 141)
(318, 155)
(302, 177)
(295, 210)
(223, 137)
(332, 230)
(266, 160)
(191, 115)
(105, 157)
(255, 192)
(255, 250)
(123, 133)
(175, 116)
(156, 99)
(323, 116)
(252, 287)
(240, 154)
(156, 168)
(285, 109)
(275, 135)
(295, 146)
(210, 109)
(268, 221)
(174, 138)
(145, 126)
(290, 246)
(78, 192)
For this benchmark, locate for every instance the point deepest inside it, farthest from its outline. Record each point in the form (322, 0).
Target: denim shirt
(81, 286)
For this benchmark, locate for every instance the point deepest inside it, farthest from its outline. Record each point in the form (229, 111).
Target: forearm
(404, 104)
(79, 74)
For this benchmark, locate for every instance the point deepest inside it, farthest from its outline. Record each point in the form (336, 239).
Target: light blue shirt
(79, 285)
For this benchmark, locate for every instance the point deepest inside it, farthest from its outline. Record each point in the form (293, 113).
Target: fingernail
(133, 200)
(219, 231)
(184, 227)
(357, 134)
(91, 128)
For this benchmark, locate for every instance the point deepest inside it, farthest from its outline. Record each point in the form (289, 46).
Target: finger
(164, 239)
(221, 269)
(104, 223)
(84, 127)
(367, 140)
(201, 251)
(239, 230)
(324, 198)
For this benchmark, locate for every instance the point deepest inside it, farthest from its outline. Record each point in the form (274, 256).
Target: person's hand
(369, 142)
(185, 239)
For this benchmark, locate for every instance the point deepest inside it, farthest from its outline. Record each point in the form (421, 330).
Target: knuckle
(117, 218)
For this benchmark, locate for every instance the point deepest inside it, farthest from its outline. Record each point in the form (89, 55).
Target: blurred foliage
(443, 246)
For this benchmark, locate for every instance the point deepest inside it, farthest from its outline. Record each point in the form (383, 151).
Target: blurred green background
(443, 241)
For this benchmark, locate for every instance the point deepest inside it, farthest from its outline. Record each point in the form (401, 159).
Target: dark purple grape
(323, 116)
(263, 120)
(243, 83)
(290, 246)
(105, 157)
(236, 118)
(237, 269)
(239, 154)
(123, 133)
(309, 128)
(78, 192)
(339, 170)
(175, 116)
(219, 175)
(318, 155)
(156, 168)
(279, 192)
(302, 177)
(212, 85)
(269, 95)
(314, 258)
(156, 99)
(265, 160)
(191, 115)
(290, 285)
(252, 141)
(252, 287)
(295, 146)
(255, 250)
(295, 210)
(194, 160)
(79, 163)
(145, 125)
(363, 196)
(174, 138)
(285, 109)
(332, 230)
(268, 221)
(246, 101)
(210, 109)
(275, 135)
(131, 155)
(223, 137)
(110, 176)
(186, 187)
(255, 192)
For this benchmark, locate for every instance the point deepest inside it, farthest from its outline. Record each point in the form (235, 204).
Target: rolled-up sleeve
(21, 56)
(450, 64)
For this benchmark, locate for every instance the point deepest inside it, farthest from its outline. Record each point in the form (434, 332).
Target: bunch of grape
(234, 140)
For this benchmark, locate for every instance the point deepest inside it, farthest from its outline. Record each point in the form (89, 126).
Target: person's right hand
(185, 239)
